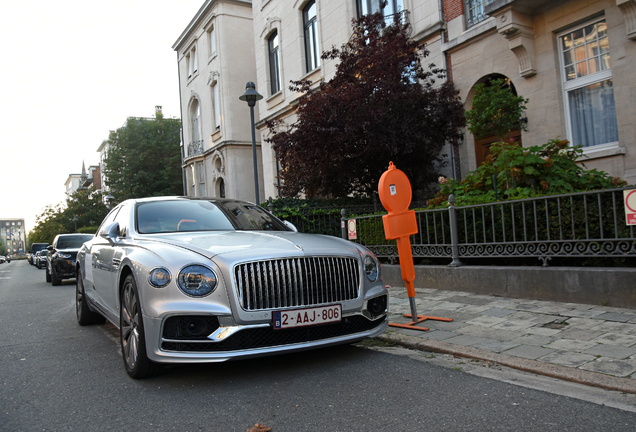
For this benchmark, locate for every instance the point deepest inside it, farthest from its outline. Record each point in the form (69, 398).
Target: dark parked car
(35, 247)
(60, 262)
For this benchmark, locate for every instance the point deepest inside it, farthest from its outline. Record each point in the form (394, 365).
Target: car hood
(68, 250)
(254, 244)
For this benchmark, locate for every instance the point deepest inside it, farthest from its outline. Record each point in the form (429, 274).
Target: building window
(392, 7)
(217, 106)
(191, 60)
(474, 11)
(211, 41)
(196, 116)
(311, 39)
(201, 179)
(587, 85)
(193, 182)
(274, 63)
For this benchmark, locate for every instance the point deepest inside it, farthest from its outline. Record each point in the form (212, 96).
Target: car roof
(189, 198)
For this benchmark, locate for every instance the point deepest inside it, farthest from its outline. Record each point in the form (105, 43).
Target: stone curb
(590, 378)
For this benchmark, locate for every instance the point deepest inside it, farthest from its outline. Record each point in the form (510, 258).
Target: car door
(99, 264)
(111, 257)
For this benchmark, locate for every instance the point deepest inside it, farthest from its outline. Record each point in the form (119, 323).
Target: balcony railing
(474, 11)
(195, 148)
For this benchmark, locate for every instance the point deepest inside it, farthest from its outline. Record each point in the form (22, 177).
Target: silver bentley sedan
(208, 280)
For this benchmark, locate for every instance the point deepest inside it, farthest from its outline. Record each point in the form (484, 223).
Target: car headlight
(62, 255)
(159, 277)
(371, 268)
(196, 280)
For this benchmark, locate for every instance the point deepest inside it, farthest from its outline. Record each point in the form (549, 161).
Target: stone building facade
(572, 59)
(215, 55)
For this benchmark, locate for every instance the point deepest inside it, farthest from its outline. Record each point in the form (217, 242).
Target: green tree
(144, 158)
(496, 111)
(382, 105)
(86, 205)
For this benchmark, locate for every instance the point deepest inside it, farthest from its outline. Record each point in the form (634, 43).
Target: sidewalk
(594, 345)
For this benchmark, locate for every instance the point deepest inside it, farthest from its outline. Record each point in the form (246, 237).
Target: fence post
(343, 223)
(454, 233)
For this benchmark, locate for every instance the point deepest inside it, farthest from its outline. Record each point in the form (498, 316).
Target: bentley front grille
(294, 282)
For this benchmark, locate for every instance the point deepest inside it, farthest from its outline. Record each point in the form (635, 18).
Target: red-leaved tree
(382, 105)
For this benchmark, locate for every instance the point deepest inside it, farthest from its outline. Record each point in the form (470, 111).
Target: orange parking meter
(395, 194)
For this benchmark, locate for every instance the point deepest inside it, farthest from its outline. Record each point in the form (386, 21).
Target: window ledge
(275, 99)
(216, 135)
(193, 76)
(212, 57)
(472, 32)
(604, 150)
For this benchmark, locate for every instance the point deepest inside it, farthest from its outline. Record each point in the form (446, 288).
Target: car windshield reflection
(203, 215)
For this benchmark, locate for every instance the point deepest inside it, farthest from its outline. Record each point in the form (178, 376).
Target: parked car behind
(1, 259)
(60, 262)
(191, 280)
(40, 258)
(34, 248)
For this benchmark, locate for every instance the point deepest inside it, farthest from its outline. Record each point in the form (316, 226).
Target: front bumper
(64, 268)
(241, 342)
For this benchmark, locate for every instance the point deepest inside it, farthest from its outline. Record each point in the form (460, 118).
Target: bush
(548, 169)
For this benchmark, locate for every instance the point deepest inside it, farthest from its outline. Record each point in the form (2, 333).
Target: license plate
(307, 317)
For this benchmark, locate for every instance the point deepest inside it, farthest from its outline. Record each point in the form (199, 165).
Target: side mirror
(110, 232)
(50, 247)
(291, 226)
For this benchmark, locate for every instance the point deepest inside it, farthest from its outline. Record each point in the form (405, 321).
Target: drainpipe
(182, 144)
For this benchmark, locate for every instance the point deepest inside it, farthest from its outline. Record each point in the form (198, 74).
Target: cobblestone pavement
(558, 339)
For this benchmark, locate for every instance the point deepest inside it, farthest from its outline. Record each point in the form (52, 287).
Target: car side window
(122, 219)
(110, 218)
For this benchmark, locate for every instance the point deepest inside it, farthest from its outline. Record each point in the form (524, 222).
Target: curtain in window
(593, 115)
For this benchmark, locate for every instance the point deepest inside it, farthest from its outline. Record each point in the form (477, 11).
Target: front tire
(54, 279)
(132, 336)
(84, 315)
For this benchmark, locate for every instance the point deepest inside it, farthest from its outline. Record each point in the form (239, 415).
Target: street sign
(630, 206)
(352, 229)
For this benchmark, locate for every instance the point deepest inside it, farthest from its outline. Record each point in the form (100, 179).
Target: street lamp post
(75, 221)
(251, 96)
(108, 198)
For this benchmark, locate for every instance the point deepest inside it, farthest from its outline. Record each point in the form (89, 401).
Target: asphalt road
(58, 376)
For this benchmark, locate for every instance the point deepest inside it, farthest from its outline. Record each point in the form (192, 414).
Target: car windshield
(203, 215)
(73, 241)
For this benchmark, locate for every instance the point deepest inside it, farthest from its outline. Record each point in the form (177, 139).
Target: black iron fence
(584, 224)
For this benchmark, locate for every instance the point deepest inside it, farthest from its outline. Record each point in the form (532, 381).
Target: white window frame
(201, 179)
(310, 34)
(581, 82)
(277, 77)
(212, 40)
(195, 120)
(216, 101)
(191, 61)
(475, 5)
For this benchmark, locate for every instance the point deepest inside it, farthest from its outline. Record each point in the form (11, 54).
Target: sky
(71, 71)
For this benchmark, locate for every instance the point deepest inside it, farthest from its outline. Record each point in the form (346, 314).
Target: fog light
(196, 327)
(377, 306)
